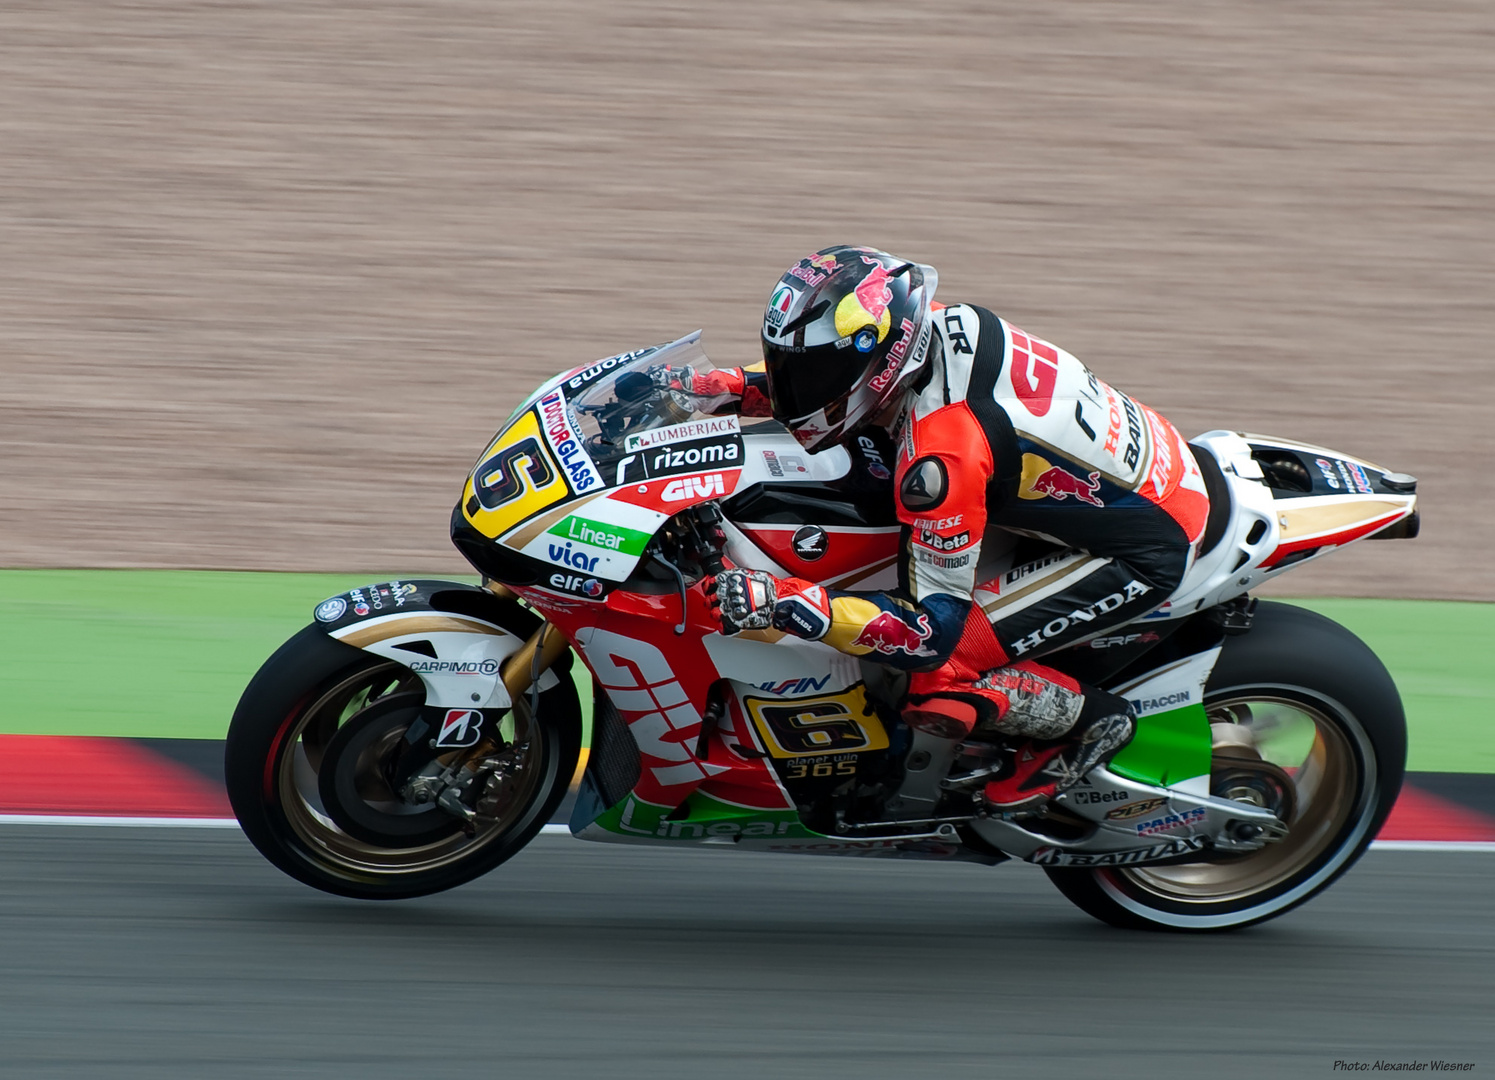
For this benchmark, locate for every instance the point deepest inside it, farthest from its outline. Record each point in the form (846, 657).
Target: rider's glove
(756, 600)
(672, 378)
(743, 599)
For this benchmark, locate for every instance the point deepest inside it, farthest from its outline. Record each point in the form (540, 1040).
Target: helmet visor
(801, 383)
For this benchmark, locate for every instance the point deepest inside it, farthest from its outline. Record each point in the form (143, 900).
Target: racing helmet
(846, 330)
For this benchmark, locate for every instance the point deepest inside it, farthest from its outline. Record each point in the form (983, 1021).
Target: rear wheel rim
(298, 765)
(1331, 762)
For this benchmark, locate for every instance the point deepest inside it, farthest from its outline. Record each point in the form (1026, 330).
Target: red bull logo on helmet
(890, 635)
(867, 304)
(814, 269)
(1042, 480)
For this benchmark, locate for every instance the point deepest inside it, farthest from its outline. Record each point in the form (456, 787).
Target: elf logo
(694, 487)
(460, 727)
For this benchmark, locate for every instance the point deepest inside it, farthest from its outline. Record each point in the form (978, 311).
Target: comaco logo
(694, 487)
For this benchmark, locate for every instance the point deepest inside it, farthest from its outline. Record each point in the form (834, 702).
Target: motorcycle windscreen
(627, 426)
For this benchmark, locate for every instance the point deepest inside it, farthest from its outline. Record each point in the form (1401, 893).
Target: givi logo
(460, 727)
(694, 487)
(668, 496)
(1035, 369)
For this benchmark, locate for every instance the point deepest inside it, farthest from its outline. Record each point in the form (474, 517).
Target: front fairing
(586, 471)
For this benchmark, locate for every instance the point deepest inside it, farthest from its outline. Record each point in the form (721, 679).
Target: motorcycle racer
(993, 428)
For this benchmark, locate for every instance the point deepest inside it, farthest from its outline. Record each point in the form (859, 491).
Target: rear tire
(1305, 682)
(285, 726)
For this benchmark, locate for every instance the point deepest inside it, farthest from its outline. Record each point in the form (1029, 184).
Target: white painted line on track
(162, 822)
(563, 830)
(147, 822)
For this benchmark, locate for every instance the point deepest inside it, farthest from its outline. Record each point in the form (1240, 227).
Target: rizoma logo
(576, 382)
(710, 454)
(694, 487)
(566, 443)
(454, 667)
(602, 535)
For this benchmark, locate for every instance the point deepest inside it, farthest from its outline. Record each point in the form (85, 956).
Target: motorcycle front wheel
(1325, 717)
(307, 765)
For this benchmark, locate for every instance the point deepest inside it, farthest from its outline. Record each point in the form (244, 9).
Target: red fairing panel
(656, 679)
(844, 554)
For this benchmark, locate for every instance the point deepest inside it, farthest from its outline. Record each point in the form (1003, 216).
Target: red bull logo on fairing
(1042, 480)
(890, 635)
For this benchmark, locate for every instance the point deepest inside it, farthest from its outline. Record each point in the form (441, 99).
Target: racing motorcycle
(418, 733)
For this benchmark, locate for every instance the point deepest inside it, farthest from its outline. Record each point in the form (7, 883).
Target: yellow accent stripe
(1300, 522)
(364, 634)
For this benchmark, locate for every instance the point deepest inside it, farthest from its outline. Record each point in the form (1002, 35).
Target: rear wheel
(320, 776)
(1307, 721)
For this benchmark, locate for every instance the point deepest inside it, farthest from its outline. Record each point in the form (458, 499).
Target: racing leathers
(1007, 430)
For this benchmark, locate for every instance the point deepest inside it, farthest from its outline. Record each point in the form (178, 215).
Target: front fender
(453, 635)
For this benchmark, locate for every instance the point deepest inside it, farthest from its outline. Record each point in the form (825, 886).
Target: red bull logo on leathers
(867, 304)
(1042, 480)
(890, 635)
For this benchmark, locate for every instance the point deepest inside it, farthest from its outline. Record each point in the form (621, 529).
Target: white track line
(562, 830)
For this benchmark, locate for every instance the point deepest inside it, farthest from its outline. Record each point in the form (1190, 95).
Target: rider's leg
(992, 687)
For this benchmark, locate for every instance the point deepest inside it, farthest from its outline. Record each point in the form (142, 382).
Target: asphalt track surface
(180, 953)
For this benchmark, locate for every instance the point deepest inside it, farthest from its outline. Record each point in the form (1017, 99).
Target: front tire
(1323, 709)
(343, 829)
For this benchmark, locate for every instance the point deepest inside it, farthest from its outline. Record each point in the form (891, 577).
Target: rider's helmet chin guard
(846, 331)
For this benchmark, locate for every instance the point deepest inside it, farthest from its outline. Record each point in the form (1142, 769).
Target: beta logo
(460, 727)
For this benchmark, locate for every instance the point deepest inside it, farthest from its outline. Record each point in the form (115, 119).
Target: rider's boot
(1044, 768)
(1059, 729)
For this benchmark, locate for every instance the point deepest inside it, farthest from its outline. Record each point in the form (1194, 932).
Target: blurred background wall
(272, 272)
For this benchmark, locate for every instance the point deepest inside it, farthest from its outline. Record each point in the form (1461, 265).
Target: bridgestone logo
(1104, 606)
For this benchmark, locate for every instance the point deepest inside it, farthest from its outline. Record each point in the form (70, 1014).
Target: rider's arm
(943, 472)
